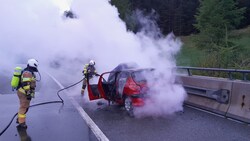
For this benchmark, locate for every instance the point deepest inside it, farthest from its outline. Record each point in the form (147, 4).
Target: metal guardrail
(228, 71)
(220, 95)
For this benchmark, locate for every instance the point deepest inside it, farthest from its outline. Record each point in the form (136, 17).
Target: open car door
(93, 91)
(104, 89)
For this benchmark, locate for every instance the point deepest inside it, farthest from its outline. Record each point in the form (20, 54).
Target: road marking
(95, 129)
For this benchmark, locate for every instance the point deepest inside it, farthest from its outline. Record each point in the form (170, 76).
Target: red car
(126, 85)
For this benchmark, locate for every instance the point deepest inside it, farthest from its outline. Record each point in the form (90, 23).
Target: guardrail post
(230, 75)
(189, 72)
(244, 76)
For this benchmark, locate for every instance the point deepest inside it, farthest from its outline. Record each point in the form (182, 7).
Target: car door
(93, 91)
(102, 89)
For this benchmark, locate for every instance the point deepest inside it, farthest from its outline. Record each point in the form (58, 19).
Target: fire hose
(43, 103)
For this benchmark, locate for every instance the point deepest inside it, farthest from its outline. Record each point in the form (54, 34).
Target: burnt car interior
(109, 86)
(112, 88)
(94, 88)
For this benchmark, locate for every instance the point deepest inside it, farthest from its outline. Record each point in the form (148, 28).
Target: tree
(125, 11)
(246, 21)
(215, 18)
(175, 16)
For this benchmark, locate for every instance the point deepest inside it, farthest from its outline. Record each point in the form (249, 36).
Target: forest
(216, 33)
(176, 16)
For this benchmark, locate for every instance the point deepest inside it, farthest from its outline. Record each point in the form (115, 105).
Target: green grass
(190, 55)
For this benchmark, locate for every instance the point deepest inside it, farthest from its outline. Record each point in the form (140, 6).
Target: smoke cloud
(37, 29)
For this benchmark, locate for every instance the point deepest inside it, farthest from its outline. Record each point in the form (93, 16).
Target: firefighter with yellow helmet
(26, 90)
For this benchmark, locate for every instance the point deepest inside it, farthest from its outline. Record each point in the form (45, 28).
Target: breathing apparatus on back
(16, 78)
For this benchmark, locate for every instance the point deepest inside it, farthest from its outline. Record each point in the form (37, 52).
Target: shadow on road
(22, 132)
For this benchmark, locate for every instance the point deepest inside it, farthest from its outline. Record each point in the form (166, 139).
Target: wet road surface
(63, 122)
(51, 122)
(192, 125)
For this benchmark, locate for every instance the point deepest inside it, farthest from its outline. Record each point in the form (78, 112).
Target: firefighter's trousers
(83, 86)
(24, 106)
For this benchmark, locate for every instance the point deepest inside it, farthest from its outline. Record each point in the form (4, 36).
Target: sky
(38, 29)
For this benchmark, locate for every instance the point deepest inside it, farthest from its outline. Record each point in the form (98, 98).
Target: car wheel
(129, 106)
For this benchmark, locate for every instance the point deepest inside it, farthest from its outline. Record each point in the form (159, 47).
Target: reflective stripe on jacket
(89, 69)
(85, 69)
(28, 82)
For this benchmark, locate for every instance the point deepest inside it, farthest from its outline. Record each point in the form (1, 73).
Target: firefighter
(88, 71)
(26, 90)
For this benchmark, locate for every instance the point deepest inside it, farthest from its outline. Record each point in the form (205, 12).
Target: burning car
(126, 85)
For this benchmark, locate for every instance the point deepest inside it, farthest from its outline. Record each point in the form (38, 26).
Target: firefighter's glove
(28, 95)
(32, 93)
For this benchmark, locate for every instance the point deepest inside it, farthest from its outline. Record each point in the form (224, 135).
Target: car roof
(130, 66)
(126, 67)
(136, 70)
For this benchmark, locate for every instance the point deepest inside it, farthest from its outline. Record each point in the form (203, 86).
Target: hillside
(191, 55)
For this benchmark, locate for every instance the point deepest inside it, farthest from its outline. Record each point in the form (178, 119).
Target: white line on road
(95, 129)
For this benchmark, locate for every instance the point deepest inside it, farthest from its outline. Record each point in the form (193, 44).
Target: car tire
(129, 106)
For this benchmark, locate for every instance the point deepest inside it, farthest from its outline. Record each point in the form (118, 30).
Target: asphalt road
(192, 125)
(56, 122)
(50, 122)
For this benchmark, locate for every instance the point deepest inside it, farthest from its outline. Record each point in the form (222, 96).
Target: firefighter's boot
(82, 92)
(23, 125)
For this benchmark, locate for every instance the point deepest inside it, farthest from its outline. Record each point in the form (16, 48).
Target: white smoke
(37, 29)
(165, 97)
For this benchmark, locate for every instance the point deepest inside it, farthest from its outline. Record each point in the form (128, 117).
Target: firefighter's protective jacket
(28, 83)
(89, 70)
